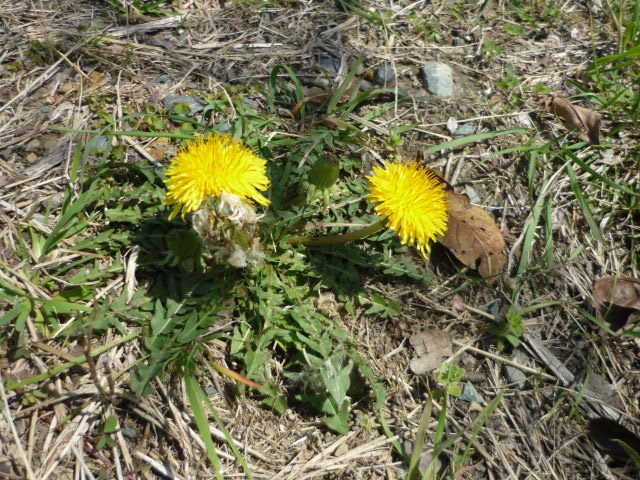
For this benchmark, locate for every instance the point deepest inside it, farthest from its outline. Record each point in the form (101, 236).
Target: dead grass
(50, 66)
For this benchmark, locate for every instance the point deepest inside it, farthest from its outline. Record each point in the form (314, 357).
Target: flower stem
(337, 239)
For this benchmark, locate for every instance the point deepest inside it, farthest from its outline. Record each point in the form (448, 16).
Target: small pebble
(129, 432)
(470, 394)
(465, 129)
(514, 375)
(330, 64)
(383, 74)
(458, 42)
(31, 158)
(493, 308)
(341, 450)
(438, 78)
(210, 391)
(194, 104)
(161, 79)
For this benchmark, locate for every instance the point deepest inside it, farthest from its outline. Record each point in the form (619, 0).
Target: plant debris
(473, 236)
(584, 120)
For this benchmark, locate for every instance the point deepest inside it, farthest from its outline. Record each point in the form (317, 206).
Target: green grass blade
(418, 444)
(270, 92)
(226, 434)
(337, 95)
(602, 178)
(192, 389)
(585, 205)
(478, 137)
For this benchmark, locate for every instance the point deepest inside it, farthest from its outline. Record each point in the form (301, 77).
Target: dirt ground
(55, 55)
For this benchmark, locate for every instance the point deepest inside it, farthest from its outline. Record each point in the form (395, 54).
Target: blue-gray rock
(45, 109)
(458, 42)
(162, 78)
(493, 308)
(210, 391)
(438, 78)
(516, 376)
(470, 394)
(383, 74)
(330, 64)
(194, 104)
(129, 432)
(465, 129)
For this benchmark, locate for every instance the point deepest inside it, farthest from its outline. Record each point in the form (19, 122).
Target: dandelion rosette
(412, 201)
(209, 167)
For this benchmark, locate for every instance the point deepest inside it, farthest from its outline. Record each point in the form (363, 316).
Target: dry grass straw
(213, 44)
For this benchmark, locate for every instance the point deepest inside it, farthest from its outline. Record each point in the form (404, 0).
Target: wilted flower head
(209, 167)
(412, 201)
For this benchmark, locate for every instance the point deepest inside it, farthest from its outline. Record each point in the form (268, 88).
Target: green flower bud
(324, 172)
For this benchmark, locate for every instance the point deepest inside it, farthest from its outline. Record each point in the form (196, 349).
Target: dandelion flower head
(412, 201)
(208, 167)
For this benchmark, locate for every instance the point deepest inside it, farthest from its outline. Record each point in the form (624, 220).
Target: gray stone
(162, 78)
(129, 432)
(470, 394)
(458, 42)
(514, 375)
(330, 64)
(194, 104)
(438, 78)
(465, 129)
(493, 308)
(210, 391)
(383, 74)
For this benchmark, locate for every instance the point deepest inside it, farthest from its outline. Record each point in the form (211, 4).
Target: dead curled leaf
(606, 433)
(621, 292)
(472, 236)
(584, 120)
(432, 347)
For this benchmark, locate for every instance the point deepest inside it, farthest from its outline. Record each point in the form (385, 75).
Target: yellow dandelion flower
(412, 201)
(209, 167)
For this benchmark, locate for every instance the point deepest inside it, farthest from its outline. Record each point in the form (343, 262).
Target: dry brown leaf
(432, 347)
(616, 298)
(620, 291)
(584, 120)
(472, 236)
(605, 433)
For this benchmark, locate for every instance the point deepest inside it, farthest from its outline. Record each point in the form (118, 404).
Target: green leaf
(458, 142)
(110, 424)
(194, 392)
(339, 423)
(512, 29)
